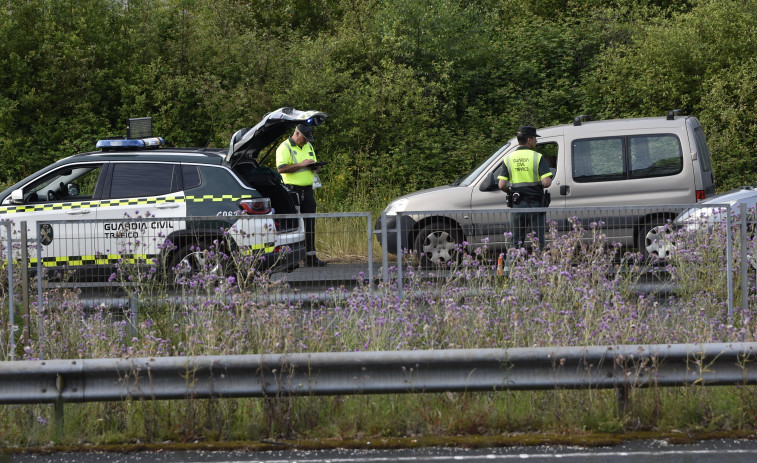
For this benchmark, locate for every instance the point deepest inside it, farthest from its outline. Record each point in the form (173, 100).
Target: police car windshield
(468, 178)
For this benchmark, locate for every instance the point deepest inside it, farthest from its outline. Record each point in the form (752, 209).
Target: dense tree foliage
(418, 91)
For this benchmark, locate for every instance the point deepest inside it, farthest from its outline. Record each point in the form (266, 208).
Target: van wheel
(654, 238)
(201, 258)
(439, 244)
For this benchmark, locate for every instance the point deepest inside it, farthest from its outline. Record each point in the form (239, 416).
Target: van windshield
(468, 178)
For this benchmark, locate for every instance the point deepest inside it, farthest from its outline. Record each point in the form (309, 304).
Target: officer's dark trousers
(522, 223)
(307, 205)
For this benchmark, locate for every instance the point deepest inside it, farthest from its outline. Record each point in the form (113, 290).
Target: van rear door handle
(564, 190)
(167, 206)
(78, 211)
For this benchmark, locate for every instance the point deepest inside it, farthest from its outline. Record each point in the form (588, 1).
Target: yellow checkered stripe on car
(215, 198)
(110, 259)
(120, 202)
(76, 261)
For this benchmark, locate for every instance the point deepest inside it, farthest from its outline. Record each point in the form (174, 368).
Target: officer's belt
(299, 187)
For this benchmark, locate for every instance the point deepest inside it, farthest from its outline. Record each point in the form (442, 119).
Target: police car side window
(76, 182)
(191, 176)
(139, 180)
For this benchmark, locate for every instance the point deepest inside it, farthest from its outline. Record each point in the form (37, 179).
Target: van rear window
(623, 158)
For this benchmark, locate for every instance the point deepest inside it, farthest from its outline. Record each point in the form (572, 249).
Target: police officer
(294, 159)
(528, 174)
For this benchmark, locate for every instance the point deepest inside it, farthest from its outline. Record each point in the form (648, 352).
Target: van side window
(622, 158)
(549, 151)
(598, 160)
(655, 156)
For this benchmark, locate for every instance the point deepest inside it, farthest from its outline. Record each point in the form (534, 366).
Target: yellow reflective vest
(522, 170)
(289, 153)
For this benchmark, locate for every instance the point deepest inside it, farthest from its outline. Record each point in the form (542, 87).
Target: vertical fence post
(398, 228)
(40, 304)
(729, 262)
(744, 259)
(134, 315)
(370, 251)
(11, 335)
(384, 251)
(24, 267)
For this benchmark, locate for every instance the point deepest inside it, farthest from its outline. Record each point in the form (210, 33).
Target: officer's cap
(306, 130)
(528, 131)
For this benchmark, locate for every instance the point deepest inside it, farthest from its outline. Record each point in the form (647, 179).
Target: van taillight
(701, 195)
(255, 206)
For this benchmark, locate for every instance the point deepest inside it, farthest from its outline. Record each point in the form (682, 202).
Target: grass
(558, 297)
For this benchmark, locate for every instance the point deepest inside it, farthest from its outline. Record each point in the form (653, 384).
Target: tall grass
(575, 292)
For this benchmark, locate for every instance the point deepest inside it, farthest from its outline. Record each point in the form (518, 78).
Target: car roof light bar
(130, 144)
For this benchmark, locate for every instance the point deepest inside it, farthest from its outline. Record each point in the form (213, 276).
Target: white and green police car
(136, 201)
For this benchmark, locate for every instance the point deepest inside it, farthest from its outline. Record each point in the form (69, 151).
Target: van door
(492, 226)
(643, 169)
(703, 174)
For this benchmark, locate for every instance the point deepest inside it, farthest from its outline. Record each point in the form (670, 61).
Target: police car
(136, 201)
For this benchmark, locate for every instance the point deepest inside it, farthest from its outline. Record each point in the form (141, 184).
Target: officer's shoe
(313, 261)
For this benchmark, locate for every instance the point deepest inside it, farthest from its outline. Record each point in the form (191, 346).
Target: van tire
(439, 244)
(653, 238)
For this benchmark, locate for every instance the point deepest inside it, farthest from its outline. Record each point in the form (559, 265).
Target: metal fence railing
(128, 264)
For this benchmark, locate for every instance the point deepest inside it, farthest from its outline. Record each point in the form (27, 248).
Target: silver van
(625, 162)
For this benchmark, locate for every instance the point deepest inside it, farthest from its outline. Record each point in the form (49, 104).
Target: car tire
(198, 257)
(438, 245)
(653, 238)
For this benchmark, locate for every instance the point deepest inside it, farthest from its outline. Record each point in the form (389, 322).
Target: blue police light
(130, 144)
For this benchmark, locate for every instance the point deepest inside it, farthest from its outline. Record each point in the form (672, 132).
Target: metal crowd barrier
(360, 253)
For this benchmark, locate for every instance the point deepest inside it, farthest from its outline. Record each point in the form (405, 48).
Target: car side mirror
(490, 183)
(17, 196)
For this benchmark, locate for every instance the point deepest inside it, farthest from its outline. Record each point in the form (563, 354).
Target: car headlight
(398, 205)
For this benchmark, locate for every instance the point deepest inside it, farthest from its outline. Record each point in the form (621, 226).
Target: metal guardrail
(275, 375)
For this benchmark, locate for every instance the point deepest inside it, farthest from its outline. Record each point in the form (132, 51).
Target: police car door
(140, 201)
(57, 207)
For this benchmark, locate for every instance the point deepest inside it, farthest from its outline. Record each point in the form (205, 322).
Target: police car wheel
(438, 245)
(202, 258)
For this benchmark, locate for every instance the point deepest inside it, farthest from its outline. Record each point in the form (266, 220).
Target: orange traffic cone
(500, 266)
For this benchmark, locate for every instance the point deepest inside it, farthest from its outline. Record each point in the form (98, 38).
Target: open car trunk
(268, 183)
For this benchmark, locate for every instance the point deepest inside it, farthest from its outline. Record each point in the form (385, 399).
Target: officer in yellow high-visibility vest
(524, 177)
(294, 160)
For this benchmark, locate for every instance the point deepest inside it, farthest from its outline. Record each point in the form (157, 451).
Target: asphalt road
(717, 451)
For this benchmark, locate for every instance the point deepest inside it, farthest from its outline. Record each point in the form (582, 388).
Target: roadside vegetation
(418, 91)
(585, 296)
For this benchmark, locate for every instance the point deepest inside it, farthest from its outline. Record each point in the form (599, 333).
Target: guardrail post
(621, 398)
(59, 409)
